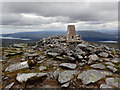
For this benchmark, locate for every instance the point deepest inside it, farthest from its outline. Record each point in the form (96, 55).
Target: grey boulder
(113, 81)
(68, 65)
(99, 66)
(17, 66)
(103, 54)
(93, 57)
(23, 77)
(90, 76)
(66, 76)
(112, 68)
(105, 86)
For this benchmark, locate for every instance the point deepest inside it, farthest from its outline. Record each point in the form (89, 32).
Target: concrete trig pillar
(71, 34)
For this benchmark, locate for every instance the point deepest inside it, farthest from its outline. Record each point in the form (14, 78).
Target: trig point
(71, 34)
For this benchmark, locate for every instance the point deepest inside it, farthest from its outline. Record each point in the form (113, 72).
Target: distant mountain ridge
(86, 35)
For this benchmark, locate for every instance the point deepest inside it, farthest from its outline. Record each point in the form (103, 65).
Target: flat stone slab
(65, 85)
(69, 58)
(112, 68)
(99, 66)
(17, 66)
(105, 72)
(93, 57)
(55, 74)
(68, 65)
(103, 54)
(109, 63)
(113, 81)
(52, 54)
(42, 68)
(23, 77)
(105, 86)
(9, 86)
(116, 60)
(90, 76)
(32, 55)
(66, 76)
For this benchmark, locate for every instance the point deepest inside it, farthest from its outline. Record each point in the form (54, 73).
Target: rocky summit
(56, 63)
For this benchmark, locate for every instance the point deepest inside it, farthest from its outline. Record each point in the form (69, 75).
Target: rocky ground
(56, 64)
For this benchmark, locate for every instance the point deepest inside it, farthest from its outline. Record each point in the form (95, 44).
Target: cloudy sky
(41, 16)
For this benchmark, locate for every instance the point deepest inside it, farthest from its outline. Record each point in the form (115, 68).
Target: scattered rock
(68, 65)
(81, 64)
(90, 76)
(69, 58)
(116, 60)
(112, 68)
(32, 55)
(99, 66)
(65, 85)
(93, 57)
(52, 54)
(79, 57)
(18, 66)
(42, 68)
(106, 72)
(81, 46)
(60, 58)
(113, 81)
(23, 77)
(9, 86)
(107, 59)
(105, 86)
(56, 73)
(103, 54)
(40, 62)
(66, 76)
(109, 63)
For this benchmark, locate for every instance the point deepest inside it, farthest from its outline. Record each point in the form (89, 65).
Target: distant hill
(96, 36)
(86, 35)
(34, 35)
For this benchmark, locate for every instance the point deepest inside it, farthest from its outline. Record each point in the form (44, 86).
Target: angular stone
(65, 85)
(17, 66)
(113, 81)
(23, 77)
(60, 58)
(107, 59)
(93, 57)
(90, 76)
(56, 73)
(105, 86)
(42, 68)
(99, 66)
(32, 55)
(106, 72)
(68, 65)
(81, 64)
(79, 57)
(103, 54)
(66, 76)
(116, 60)
(9, 86)
(109, 63)
(79, 52)
(40, 62)
(112, 68)
(81, 46)
(52, 54)
(69, 58)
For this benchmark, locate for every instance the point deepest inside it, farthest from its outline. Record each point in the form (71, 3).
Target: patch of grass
(87, 67)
